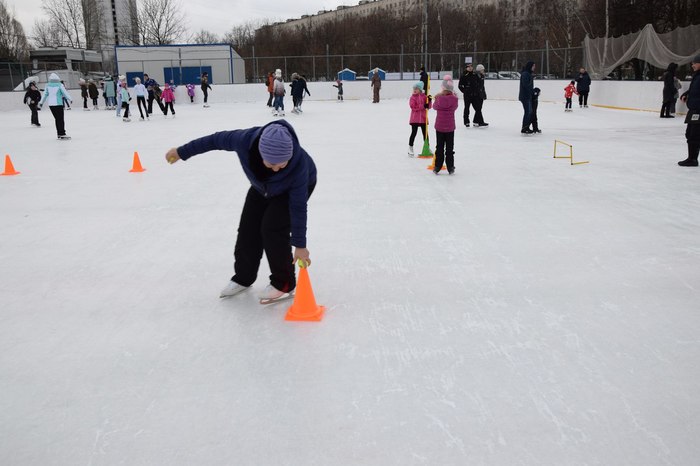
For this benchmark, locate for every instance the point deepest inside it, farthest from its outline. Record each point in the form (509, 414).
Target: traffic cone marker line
(136, 167)
(304, 307)
(9, 168)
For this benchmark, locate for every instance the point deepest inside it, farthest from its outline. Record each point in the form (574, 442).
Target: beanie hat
(696, 59)
(53, 77)
(418, 85)
(276, 145)
(479, 67)
(447, 83)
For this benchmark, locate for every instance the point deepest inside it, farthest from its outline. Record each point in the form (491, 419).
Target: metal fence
(552, 63)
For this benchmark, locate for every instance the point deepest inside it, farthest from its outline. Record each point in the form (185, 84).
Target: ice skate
(272, 295)
(451, 171)
(63, 137)
(410, 151)
(86, 109)
(231, 289)
(205, 105)
(126, 120)
(480, 125)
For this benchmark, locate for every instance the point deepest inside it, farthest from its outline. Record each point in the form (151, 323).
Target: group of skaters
(277, 91)
(116, 97)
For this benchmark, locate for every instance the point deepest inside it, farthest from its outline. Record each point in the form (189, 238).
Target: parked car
(508, 75)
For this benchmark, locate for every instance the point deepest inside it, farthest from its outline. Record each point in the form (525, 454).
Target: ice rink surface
(521, 312)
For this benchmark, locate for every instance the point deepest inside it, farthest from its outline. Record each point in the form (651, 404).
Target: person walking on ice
(282, 177)
(55, 94)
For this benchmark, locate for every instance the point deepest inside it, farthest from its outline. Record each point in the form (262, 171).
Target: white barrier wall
(636, 95)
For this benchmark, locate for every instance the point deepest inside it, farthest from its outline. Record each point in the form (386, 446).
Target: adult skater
(376, 85)
(481, 96)
(669, 90)
(525, 95)
(469, 86)
(270, 83)
(93, 93)
(282, 177)
(84, 93)
(691, 97)
(55, 94)
(205, 87)
(151, 86)
(32, 98)
(583, 87)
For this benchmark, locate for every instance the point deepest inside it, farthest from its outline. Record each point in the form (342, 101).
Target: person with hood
(169, 99)
(32, 98)
(282, 177)
(84, 93)
(55, 94)
(298, 88)
(110, 92)
(669, 91)
(469, 86)
(583, 87)
(691, 97)
(525, 95)
(376, 85)
(279, 91)
(93, 93)
(481, 96)
(446, 104)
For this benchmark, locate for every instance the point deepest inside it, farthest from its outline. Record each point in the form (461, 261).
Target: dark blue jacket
(295, 178)
(583, 82)
(526, 83)
(693, 93)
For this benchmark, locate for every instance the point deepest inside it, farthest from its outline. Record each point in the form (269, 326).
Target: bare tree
(45, 33)
(13, 42)
(204, 37)
(67, 15)
(160, 22)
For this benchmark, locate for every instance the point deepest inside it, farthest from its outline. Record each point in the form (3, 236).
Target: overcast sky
(216, 17)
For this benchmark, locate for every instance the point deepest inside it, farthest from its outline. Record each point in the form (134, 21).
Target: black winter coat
(669, 91)
(469, 84)
(693, 93)
(583, 82)
(32, 96)
(526, 83)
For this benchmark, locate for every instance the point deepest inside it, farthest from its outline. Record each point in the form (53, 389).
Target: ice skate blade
(284, 297)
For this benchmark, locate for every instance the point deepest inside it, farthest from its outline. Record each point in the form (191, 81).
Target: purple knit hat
(276, 145)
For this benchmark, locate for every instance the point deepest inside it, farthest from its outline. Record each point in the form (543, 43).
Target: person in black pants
(669, 91)
(282, 177)
(583, 87)
(692, 131)
(533, 116)
(525, 95)
(469, 85)
(32, 98)
(205, 87)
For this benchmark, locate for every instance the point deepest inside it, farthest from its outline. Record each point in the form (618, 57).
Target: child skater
(279, 94)
(569, 91)
(93, 93)
(190, 92)
(339, 84)
(56, 94)
(419, 110)
(125, 98)
(168, 97)
(32, 98)
(446, 103)
(141, 92)
(205, 88)
(535, 103)
(282, 177)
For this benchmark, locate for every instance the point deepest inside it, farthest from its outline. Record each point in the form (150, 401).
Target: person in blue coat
(282, 177)
(692, 132)
(525, 95)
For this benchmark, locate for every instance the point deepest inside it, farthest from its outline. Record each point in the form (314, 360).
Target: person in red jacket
(569, 91)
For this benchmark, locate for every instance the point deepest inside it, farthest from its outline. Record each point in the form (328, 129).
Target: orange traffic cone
(432, 165)
(304, 306)
(9, 168)
(137, 164)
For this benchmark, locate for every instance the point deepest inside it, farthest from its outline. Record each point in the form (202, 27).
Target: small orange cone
(304, 306)
(9, 168)
(432, 165)
(137, 164)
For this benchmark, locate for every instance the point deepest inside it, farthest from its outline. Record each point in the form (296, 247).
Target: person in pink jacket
(446, 103)
(168, 97)
(419, 104)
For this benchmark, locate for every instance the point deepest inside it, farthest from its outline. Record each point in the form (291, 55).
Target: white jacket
(55, 92)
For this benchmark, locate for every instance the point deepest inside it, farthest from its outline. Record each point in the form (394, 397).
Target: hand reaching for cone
(172, 156)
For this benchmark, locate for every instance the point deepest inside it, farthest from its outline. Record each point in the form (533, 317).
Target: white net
(605, 54)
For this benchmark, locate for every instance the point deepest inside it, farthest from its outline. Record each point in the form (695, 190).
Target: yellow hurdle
(571, 152)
